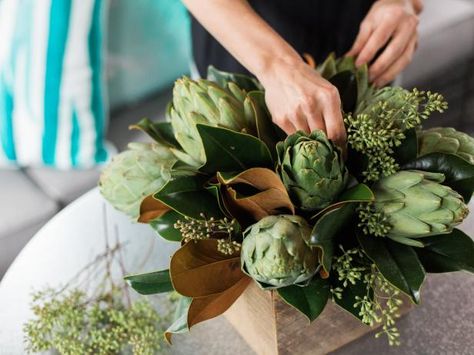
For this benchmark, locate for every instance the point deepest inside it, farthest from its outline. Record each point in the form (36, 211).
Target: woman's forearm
(243, 33)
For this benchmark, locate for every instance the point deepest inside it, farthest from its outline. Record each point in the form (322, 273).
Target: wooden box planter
(271, 327)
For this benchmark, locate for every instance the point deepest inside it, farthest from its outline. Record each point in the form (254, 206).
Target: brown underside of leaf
(205, 308)
(273, 198)
(197, 269)
(151, 209)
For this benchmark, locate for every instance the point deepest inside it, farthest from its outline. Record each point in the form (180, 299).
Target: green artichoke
(446, 140)
(312, 169)
(417, 205)
(275, 251)
(135, 174)
(207, 103)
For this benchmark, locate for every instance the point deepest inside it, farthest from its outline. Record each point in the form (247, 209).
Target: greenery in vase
(250, 204)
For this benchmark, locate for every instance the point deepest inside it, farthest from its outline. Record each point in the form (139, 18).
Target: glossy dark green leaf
(180, 323)
(188, 196)
(161, 132)
(447, 252)
(151, 283)
(458, 172)
(267, 131)
(227, 150)
(164, 226)
(349, 294)
(398, 263)
(359, 193)
(309, 300)
(243, 81)
(335, 220)
(356, 163)
(326, 230)
(408, 150)
(346, 84)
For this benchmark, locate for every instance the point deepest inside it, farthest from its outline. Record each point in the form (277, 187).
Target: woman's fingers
(395, 48)
(398, 65)
(362, 37)
(377, 40)
(300, 121)
(335, 129)
(286, 125)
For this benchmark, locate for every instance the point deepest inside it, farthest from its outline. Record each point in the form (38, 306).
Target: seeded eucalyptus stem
(381, 302)
(224, 230)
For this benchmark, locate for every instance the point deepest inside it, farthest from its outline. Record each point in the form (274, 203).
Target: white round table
(442, 324)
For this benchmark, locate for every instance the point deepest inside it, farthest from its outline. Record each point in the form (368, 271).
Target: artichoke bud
(312, 169)
(135, 174)
(417, 205)
(211, 105)
(275, 251)
(446, 140)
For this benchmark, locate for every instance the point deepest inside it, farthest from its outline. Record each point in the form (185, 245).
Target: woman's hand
(300, 99)
(390, 25)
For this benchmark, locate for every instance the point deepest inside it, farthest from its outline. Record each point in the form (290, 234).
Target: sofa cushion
(22, 204)
(446, 36)
(52, 109)
(64, 186)
(24, 208)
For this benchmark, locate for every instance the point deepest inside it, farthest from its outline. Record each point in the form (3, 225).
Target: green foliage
(71, 323)
(379, 126)
(310, 299)
(224, 230)
(379, 302)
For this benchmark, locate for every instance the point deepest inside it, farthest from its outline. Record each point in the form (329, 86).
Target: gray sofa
(444, 62)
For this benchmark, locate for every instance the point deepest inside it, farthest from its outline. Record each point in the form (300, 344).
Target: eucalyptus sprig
(74, 319)
(379, 125)
(224, 230)
(381, 302)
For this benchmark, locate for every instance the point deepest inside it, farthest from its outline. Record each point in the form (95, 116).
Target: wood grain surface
(272, 327)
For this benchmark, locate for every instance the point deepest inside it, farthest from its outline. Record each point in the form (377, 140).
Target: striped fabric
(52, 109)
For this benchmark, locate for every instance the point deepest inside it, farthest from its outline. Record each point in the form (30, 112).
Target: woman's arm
(297, 96)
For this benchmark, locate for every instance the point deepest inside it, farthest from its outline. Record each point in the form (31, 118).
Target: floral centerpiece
(249, 204)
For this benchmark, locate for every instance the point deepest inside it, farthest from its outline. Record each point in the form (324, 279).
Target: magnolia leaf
(164, 226)
(458, 172)
(398, 263)
(161, 132)
(408, 150)
(447, 252)
(309, 300)
(180, 323)
(222, 78)
(151, 283)
(356, 194)
(197, 269)
(327, 229)
(267, 131)
(254, 194)
(349, 295)
(328, 67)
(204, 308)
(227, 150)
(188, 196)
(346, 84)
(151, 209)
